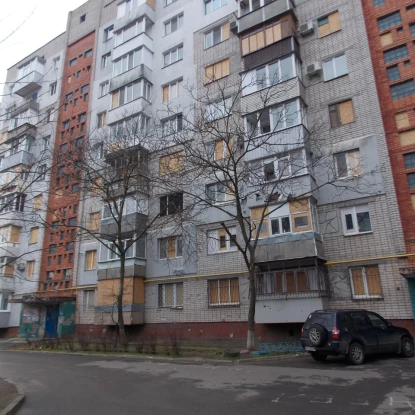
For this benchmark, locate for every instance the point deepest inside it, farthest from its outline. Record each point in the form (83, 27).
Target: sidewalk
(11, 397)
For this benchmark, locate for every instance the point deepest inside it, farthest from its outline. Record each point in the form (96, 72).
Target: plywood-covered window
(219, 240)
(224, 292)
(170, 247)
(172, 163)
(217, 71)
(93, 223)
(402, 119)
(386, 39)
(90, 260)
(328, 24)
(407, 138)
(219, 150)
(348, 163)
(30, 269)
(257, 227)
(34, 234)
(341, 113)
(365, 282)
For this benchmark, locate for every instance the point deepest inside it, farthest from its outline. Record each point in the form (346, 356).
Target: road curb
(17, 403)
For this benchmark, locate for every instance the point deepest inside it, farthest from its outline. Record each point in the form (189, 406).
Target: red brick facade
(65, 186)
(397, 35)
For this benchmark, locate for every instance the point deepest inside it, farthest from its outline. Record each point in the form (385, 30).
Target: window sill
(216, 44)
(4, 311)
(358, 233)
(337, 77)
(367, 297)
(228, 202)
(229, 251)
(170, 64)
(172, 307)
(167, 259)
(225, 305)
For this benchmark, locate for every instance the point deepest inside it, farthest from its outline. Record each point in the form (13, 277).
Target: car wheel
(317, 335)
(356, 354)
(318, 357)
(407, 347)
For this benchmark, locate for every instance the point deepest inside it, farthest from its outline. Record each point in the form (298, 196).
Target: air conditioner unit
(306, 28)
(313, 69)
(234, 27)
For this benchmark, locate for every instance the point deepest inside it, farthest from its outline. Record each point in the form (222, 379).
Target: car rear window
(326, 320)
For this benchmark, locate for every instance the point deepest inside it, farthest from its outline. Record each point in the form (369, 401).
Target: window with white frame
(173, 24)
(102, 119)
(131, 92)
(52, 88)
(365, 282)
(224, 292)
(171, 247)
(131, 205)
(251, 5)
(170, 295)
(216, 35)
(219, 149)
(104, 88)
(130, 31)
(173, 55)
(335, 67)
(219, 240)
(171, 204)
(356, 220)
(173, 90)
(129, 127)
(128, 61)
(127, 6)
(105, 60)
(270, 74)
(108, 33)
(217, 110)
(212, 5)
(220, 192)
(172, 125)
(4, 301)
(110, 251)
(88, 300)
(348, 164)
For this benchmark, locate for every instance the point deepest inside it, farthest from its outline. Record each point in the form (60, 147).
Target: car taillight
(335, 333)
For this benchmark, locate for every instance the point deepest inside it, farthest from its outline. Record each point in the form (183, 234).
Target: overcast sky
(39, 20)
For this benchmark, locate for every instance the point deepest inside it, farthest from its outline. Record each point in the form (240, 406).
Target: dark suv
(354, 334)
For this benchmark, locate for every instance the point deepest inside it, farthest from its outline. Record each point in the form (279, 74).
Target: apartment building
(391, 30)
(334, 240)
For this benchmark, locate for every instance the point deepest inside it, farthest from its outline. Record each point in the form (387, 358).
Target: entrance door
(51, 326)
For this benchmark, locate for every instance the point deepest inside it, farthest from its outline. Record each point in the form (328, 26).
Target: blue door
(51, 325)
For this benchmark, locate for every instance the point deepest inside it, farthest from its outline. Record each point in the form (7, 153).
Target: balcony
(10, 249)
(29, 84)
(137, 106)
(22, 157)
(129, 223)
(23, 129)
(142, 39)
(140, 71)
(146, 8)
(6, 283)
(267, 12)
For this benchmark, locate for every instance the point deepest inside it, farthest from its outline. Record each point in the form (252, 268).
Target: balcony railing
(29, 84)
(22, 157)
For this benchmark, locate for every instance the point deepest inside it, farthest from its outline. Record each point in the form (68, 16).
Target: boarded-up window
(96, 187)
(341, 113)
(172, 163)
(34, 232)
(402, 119)
(256, 215)
(93, 224)
(365, 282)
(90, 260)
(386, 39)
(30, 269)
(15, 234)
(217, 71)
(224, 292)
(290, 282)
(348, 164)
(407, 138)
(301, 222)
(300, 205)
(328, 24)
(37, 202)
(115, 99)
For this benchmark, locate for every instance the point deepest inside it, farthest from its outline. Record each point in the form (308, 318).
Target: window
(220, 193)
(67, 274)
(356, 220)
(65, 125)
(172, 90)
(84, 89)
(172, 125)
(411, 180)
(395, 54)
(212, 5)
(402, 119)
(33, 237)
(75, 188)
(378, 3)
(101, 120)
(170, 247)
(4, 303)
(52, 249)
(87, 54)
(389, 20)
(335, 67)
(218, 110)
(328, 24)
(45, 143)
(410, 8)
(224, 292)
(82, 18)
(72, 62)
(128, 62)
(30, 268)
(14, 202)
(88, 300)
(105, 60)
(127, 6)
(111, 252)
(173, 24)
(365, 282)
(108, 33)
(171, 204)
(217, 35)
(170, 295)
(86, 96)
(131, 92)
(72, 222)
(393, 73)
(403, 89)
(130, 31)
(69, 246)
(219, 240)
(173, 55)
(219, 150)
(341, 113)
(49, 115)
(285, 116)
(82, 117)
(93, 223)
(37, 202)
(217, 71)
(90, 260)
(348, 164)
(171, 163)
(104, 88)
(409, 160)
(52, 88)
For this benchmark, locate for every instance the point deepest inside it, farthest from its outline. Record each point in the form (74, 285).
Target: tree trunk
(121, 326)
(250, 344)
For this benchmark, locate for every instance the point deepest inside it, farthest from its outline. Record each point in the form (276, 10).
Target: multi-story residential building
(336, 247)
(391, 30)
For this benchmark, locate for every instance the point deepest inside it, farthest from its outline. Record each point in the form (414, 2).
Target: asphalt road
(64, 384)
